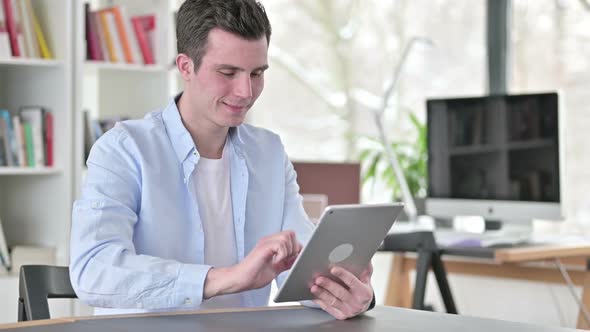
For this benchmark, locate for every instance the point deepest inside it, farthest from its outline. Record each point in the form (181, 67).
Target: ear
(185, 66)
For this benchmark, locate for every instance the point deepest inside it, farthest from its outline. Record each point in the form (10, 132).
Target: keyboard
(448, 238)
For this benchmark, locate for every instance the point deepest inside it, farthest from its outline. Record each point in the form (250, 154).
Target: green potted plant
(412, 156)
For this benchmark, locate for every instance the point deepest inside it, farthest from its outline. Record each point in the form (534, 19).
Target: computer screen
(494, 156)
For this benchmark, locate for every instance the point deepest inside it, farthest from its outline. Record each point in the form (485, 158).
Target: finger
(350, 304)
(335, 289)
(285, 239)
(365, 277)
(294, 243)
(289, 262)
(281, 251)
(328, 298)
(359, 290)
(347, 277)
(335, 312)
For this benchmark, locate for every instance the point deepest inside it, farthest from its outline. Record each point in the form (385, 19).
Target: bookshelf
(117, 89)
(29, 170)
(93, 67)
(35, 203)
(30, 62)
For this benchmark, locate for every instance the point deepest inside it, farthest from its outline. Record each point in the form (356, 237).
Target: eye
(227, 73)
(256, 74)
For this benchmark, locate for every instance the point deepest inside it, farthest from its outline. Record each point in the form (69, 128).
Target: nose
(243, 87)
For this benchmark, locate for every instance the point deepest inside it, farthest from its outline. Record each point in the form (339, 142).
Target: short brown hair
(195, 18)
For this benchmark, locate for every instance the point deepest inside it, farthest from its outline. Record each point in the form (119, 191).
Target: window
(330, 60)
(550, 50)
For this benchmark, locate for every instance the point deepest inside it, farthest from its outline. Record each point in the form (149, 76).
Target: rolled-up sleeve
(105, 269)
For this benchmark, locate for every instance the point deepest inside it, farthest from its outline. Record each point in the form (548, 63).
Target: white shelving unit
(29, 170)
(35, 203)
(31, 62)
(110, 90)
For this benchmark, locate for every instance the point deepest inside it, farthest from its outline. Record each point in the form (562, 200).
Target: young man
(189, 208)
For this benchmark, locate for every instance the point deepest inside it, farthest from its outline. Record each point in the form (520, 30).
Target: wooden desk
(291, 319)
(535, 263)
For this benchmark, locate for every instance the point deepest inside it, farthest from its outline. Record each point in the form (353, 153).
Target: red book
(144, 26)
(11, 27)
(92, 38)
(48, 139)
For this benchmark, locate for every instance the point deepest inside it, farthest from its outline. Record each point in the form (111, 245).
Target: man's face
(229, 79)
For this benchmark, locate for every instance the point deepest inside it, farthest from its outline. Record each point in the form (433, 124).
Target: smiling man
(189, 207)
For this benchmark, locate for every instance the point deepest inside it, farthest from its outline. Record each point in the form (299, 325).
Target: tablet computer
(347, 236)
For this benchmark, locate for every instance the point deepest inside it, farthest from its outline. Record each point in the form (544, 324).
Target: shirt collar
(181, 139)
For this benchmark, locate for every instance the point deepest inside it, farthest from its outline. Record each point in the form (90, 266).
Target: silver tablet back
(347, 236)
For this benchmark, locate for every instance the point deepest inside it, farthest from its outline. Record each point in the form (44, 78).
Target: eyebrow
(231, 67)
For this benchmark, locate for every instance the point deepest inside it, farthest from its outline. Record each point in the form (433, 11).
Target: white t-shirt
(212, 188)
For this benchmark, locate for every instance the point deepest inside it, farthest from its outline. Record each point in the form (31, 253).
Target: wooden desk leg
(399, 293)
(586, 300)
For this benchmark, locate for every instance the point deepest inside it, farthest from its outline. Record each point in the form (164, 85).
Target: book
(29, 146)
(133, 43)
(87, 30)
(5, 51)
(102, 42)
(144, 27)
(123, 35)
(9, 140)
(35, 117)
(48, 139)
(11, 27)
(20, 141)
(30, 45)
(4, 254)
(3, 144)
(107, 34)
(115, 36)
(93, 43)
(5, 132)
(43, 47)
(88, 133)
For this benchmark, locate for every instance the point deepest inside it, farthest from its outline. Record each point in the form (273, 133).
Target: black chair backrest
(37, 283)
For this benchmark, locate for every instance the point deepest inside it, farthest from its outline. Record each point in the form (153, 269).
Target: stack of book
(26, 139)
(94, 129)
(113, 36)
(11, 261)
(21, 34)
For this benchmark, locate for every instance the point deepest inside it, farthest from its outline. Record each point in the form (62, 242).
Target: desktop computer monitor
(495, 156)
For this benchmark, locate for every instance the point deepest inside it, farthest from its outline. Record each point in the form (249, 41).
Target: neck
(208, 137)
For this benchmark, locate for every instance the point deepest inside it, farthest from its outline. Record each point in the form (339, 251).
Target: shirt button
(188, 301)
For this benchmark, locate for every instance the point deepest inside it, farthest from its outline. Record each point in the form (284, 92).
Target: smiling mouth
(236, 108)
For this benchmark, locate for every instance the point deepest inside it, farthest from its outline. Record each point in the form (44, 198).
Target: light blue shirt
(137, 241)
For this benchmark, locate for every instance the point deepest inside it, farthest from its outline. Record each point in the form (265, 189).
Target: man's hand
(347, 298)
(272, 255)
